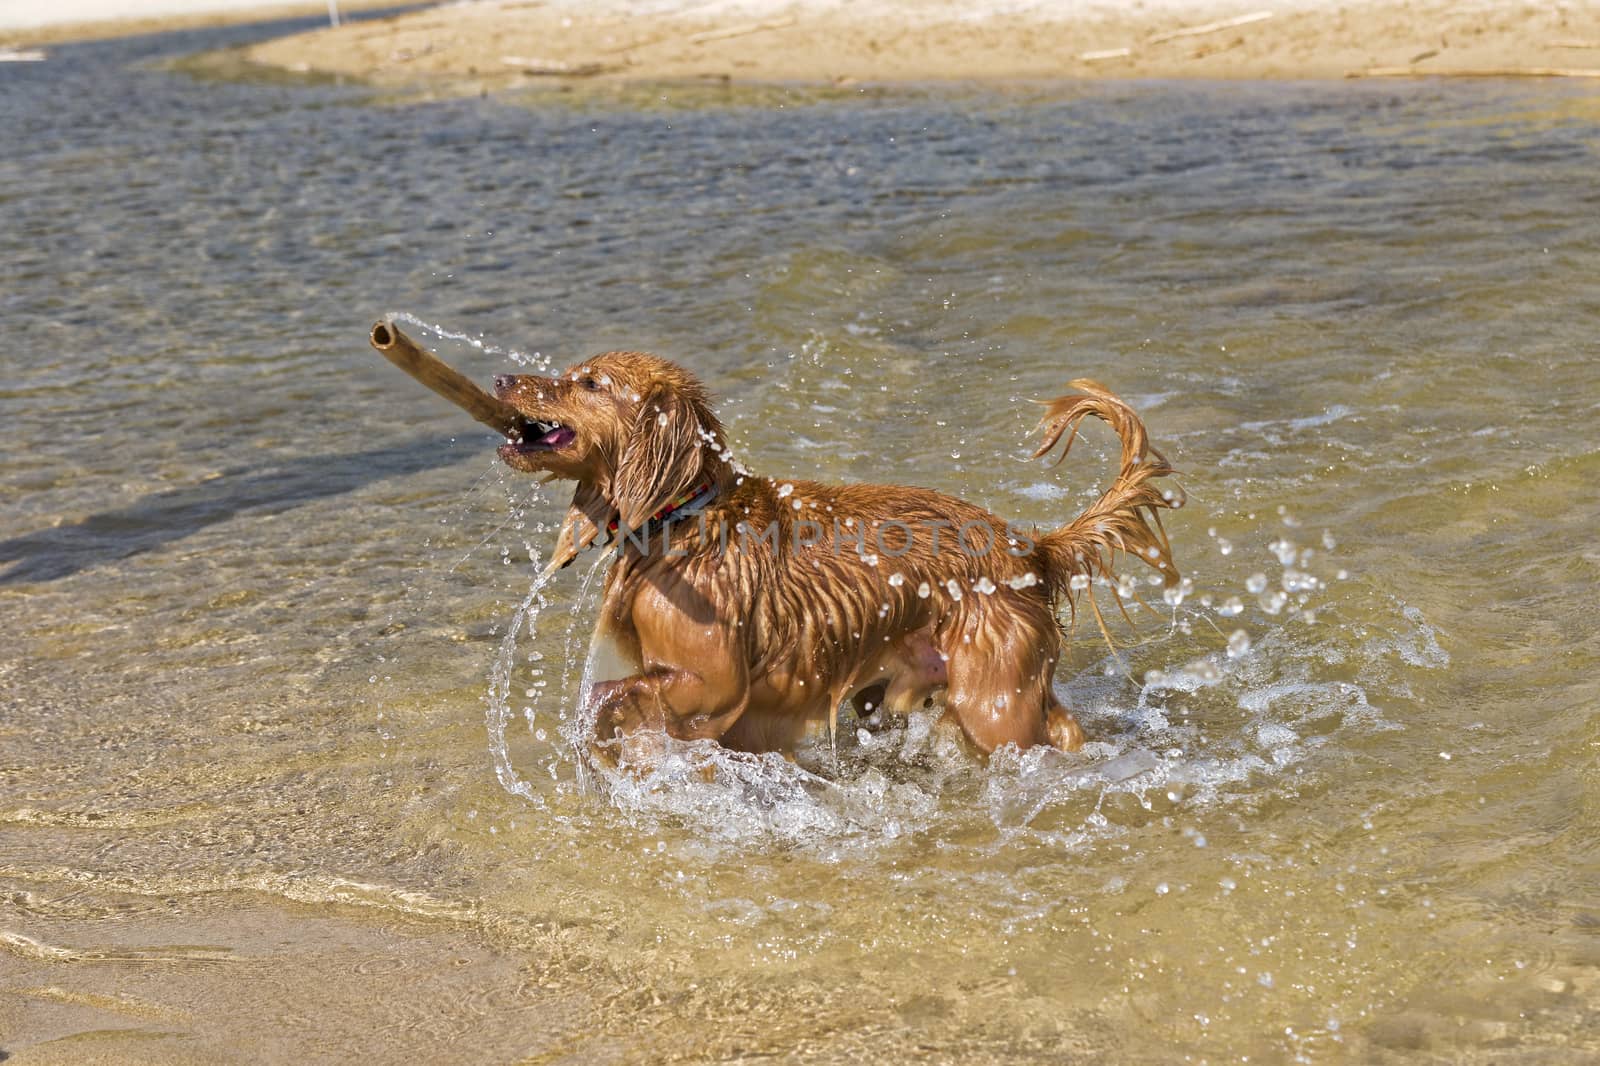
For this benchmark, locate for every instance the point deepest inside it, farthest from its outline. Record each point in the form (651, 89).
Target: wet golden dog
(747, 609)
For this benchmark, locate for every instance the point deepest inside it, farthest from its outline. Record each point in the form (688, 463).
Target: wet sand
(497, 43)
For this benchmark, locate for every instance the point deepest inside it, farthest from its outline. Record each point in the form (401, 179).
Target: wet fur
(753, 647)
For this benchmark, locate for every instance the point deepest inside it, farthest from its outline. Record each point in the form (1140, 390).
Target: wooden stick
(1105, 53)
(554, 68)
(1575, 43)
(1212, 27)
(448, 382)
(740, 31)
(1481, 72)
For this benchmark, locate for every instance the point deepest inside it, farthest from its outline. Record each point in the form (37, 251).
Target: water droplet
(1256, 583)
(784, 490)
(1286, 551)
(1299, 581)
(1238, 643)
(924, 590)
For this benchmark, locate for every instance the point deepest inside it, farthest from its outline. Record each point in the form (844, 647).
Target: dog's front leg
(634, 716)
(695, 680)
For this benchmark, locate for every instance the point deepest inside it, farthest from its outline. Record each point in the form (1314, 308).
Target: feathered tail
(1126, 518)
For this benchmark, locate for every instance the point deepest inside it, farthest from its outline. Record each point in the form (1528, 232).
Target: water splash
(537, 360)
(498, 713)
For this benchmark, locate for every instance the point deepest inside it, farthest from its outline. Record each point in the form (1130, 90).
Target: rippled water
(286, 758)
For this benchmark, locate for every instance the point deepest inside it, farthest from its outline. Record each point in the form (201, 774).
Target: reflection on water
(263, 595)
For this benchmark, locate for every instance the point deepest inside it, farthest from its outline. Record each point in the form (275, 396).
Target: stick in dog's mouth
(460, 390)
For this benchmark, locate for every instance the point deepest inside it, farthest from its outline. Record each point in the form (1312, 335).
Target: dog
(746, 610)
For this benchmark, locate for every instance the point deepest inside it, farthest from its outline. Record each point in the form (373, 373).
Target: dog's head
(633, 427)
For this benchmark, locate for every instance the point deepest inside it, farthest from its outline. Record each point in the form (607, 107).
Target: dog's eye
(589, 383)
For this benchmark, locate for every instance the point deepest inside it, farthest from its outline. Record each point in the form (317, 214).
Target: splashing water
(536, 360)
(499, 709)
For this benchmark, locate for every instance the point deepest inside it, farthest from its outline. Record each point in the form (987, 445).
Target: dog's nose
(503, 382)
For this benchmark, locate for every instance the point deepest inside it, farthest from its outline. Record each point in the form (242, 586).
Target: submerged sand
(501, 42)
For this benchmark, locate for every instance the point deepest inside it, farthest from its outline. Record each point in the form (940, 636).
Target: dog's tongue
(557, 437)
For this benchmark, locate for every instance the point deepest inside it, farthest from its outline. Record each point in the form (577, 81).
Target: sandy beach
(492, 44)
(496, 42)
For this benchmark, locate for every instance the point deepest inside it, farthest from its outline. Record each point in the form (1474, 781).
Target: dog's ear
(665, 455)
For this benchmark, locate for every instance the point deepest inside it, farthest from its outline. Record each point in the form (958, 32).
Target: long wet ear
(664, 457)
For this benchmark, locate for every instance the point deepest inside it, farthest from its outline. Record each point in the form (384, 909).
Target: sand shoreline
(490, 45)
(494, 44)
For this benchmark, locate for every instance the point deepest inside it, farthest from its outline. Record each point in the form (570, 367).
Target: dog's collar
(688, 502)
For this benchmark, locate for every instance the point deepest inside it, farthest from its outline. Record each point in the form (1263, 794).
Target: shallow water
(286, 760)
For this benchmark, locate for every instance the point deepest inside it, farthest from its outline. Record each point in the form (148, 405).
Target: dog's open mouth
(541, 437)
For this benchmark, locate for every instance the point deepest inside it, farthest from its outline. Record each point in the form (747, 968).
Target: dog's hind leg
(1000, 670)
(1065, 732)
(994, 703)
(991, 717)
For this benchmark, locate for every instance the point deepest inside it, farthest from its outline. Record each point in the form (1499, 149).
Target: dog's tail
(1126, 518)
